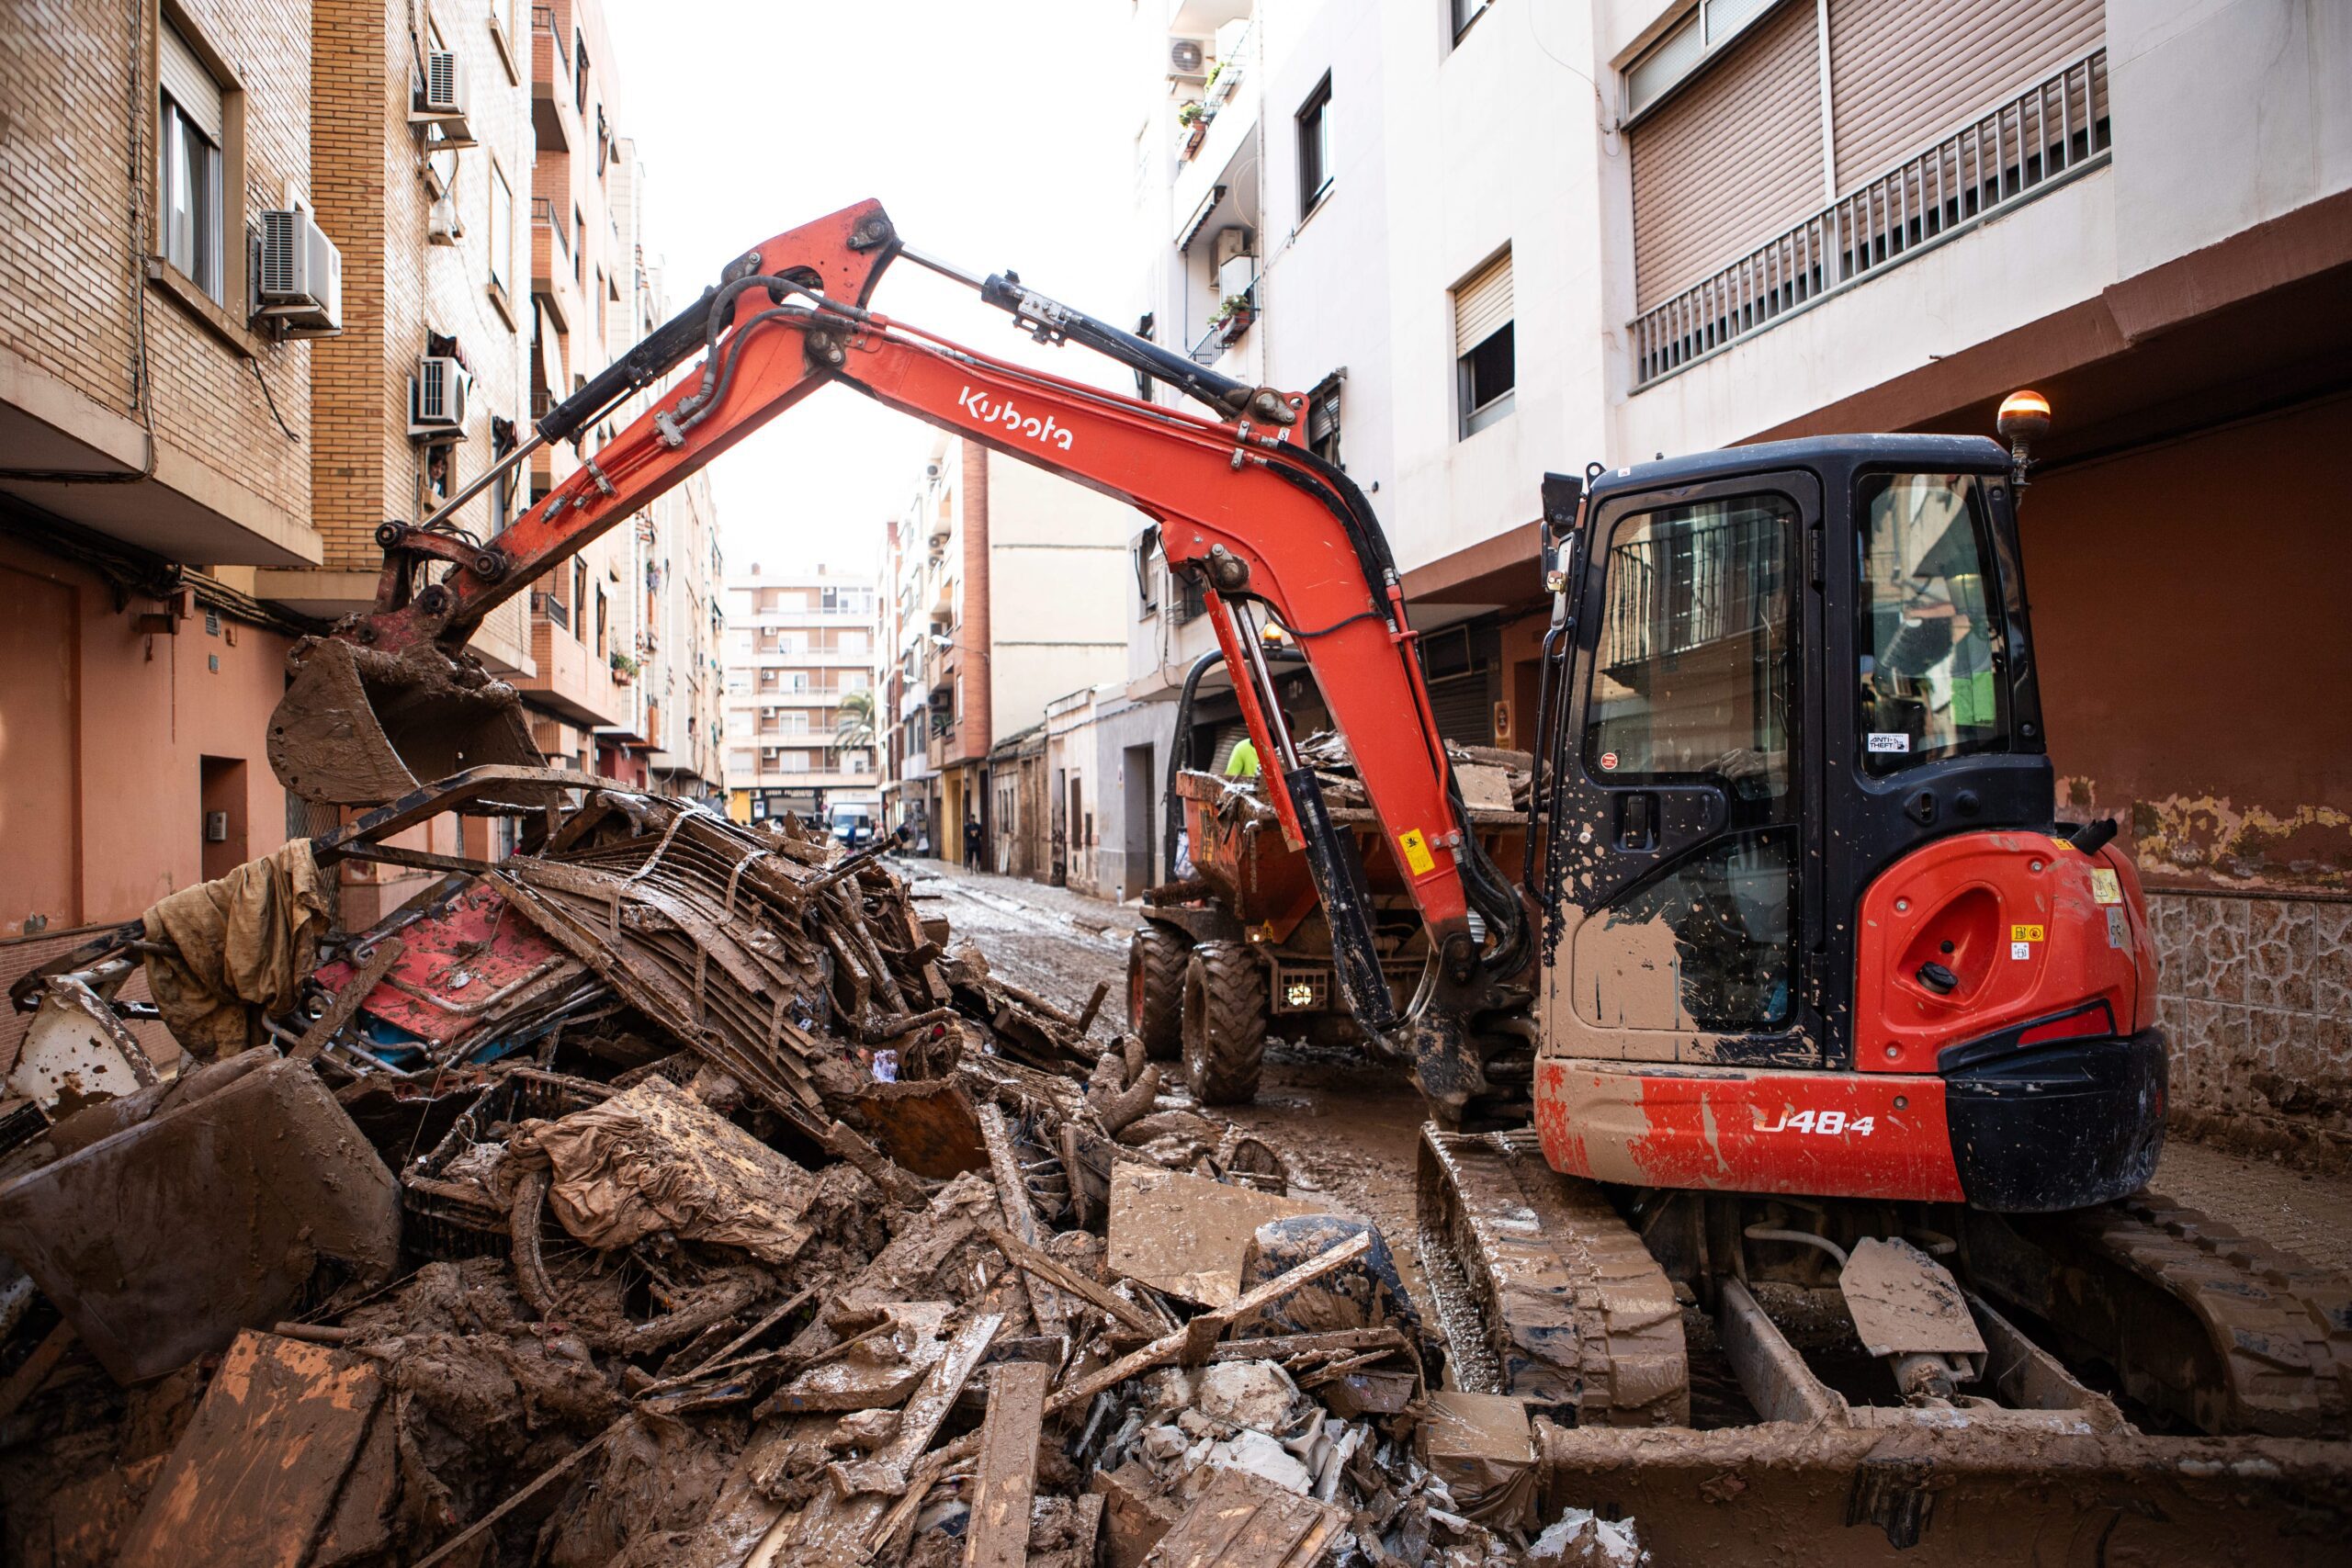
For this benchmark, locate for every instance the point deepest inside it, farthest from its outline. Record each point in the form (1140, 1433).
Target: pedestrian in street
(972, 858)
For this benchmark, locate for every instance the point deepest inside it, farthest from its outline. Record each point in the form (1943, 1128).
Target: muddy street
(1350, 1125)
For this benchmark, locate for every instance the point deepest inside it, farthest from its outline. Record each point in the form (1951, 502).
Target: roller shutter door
(1732, 159)
(1463, 706)
(1903, 75)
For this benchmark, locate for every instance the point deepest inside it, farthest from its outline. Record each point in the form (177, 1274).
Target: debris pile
(667, 1192)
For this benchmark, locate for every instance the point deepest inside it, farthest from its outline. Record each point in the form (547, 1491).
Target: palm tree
(855, 728)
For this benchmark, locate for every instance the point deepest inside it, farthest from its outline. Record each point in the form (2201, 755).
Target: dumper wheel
(1223, 1023)
(1156, 990)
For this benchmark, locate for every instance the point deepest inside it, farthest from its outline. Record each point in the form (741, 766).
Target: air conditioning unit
(1188, 59)
(439, 98)
(299, 277)
(443, 226)
(436, 398)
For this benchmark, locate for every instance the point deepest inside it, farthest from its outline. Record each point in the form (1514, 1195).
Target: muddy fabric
(658, 1159)
(245, 941)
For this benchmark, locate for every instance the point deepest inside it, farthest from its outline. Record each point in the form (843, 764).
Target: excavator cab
(1814, 926)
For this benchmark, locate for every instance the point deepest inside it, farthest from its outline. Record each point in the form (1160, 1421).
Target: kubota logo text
(1044, 432)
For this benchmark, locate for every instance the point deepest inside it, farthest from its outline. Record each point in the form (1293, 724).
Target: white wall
(2227, 113)
(1058, 590)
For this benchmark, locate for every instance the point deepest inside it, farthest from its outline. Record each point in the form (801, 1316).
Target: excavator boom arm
(1268, 526)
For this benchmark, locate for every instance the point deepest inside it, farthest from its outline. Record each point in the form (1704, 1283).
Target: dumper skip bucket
(360, 727)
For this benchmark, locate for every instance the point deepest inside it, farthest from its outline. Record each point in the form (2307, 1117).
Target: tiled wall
(2255, 994)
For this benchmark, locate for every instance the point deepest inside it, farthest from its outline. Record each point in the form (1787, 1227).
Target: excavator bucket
(360, 727)
(1708, 1419)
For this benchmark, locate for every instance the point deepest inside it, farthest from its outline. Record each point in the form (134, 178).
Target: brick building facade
(153, 448)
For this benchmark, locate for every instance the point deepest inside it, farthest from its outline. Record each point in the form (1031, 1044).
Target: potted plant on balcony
(1232, 317)
(624, 668)
(1193, 120)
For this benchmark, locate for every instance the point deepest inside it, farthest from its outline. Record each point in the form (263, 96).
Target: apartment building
(1004, 582)
(802, 726)
(665, 611)
(1496, 239)
(155, 450)
(584, 314)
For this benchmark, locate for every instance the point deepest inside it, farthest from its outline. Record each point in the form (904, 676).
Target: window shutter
(190, 84)
(1323, 416)
(1482, 305)
(1903, 75)
(1733, 158)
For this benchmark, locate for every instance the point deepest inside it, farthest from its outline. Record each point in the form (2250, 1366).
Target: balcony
(2015, 151)
(554, 121)
(1232, 321)
(1225, 147)
(553, 281)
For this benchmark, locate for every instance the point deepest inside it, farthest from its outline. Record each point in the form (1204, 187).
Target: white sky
(996, 136)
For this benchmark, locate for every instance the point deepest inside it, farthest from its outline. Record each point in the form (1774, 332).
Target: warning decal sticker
(1418, 858)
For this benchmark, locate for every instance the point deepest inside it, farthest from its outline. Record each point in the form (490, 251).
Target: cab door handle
(1637, 821)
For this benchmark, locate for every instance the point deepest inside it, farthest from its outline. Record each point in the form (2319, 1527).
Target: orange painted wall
(103, 733)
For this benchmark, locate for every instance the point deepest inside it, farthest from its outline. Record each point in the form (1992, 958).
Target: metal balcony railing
(2050, 132)
(543, 22)
(1229, 331)
(553, 608)
(544, 214)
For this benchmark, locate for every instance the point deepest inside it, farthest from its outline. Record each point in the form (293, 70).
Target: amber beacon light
(2024, 419)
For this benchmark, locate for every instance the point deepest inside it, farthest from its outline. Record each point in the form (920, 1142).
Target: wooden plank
(888, 1469)
(258, 1469)
(1133, 1516)
(1021, 1217)
(1196, 1338)
(998, 1535)
(1280, 1346)
(1243, 1522)
(1031, 1261)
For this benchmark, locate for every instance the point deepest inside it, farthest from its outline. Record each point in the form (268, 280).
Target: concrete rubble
(669, 1191)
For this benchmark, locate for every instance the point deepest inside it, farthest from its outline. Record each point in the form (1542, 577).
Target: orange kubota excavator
(1831, 1036)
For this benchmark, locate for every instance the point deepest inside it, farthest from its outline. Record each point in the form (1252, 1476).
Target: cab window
(1929, 639)
(1696, 665)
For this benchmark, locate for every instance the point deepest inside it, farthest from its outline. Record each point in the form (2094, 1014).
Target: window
(1696, 678)
(1466, 12)
(1315, 147)
(1146, 577)
(1928, 641)
(579, 70)
(579, 245)
(1696, 669)
(579, 594)
(1323, 418)
(189, 185)
(502, 230)
(1486, 361)
(1710, 26)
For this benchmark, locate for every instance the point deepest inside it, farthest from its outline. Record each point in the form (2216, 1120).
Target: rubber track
(1589, 1319)
(2284, 1325)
